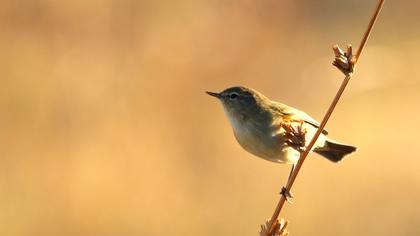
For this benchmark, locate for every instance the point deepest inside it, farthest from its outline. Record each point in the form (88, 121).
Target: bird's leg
(295, 136)
(287, 194)
(291, 172)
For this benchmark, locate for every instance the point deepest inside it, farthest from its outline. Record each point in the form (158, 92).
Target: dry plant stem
(325, 119)
(306, 152)
(368, 30)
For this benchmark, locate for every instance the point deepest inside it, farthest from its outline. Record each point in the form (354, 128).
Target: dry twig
(346, 63)
(295, 136)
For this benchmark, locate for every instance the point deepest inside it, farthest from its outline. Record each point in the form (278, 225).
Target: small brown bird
(256, 120)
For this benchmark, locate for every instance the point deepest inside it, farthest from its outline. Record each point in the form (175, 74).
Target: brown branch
(345, 62)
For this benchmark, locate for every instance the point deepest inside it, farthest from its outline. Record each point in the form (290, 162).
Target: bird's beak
(217, 95)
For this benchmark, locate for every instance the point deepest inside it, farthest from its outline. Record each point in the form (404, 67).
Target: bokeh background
(105, 128)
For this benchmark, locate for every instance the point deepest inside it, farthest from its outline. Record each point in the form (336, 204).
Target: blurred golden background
(105, 128)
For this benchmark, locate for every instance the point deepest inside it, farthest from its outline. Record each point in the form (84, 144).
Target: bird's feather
(293, 114)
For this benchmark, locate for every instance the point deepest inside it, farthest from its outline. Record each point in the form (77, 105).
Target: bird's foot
(286, 194)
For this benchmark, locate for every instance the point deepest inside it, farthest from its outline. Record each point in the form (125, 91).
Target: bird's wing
(293, 114)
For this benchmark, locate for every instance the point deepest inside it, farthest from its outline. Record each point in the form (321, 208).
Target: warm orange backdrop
(105, 128)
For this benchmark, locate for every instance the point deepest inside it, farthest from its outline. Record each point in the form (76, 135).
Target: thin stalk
(325, 119)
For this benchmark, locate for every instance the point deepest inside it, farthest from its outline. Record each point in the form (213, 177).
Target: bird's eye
(233, 95)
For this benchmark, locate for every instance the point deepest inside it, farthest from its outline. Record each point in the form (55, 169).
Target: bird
(257, 126)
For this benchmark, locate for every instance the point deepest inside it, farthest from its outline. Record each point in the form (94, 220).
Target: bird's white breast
(264, 142)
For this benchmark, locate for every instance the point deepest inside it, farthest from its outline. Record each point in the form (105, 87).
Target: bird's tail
(334, 151)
